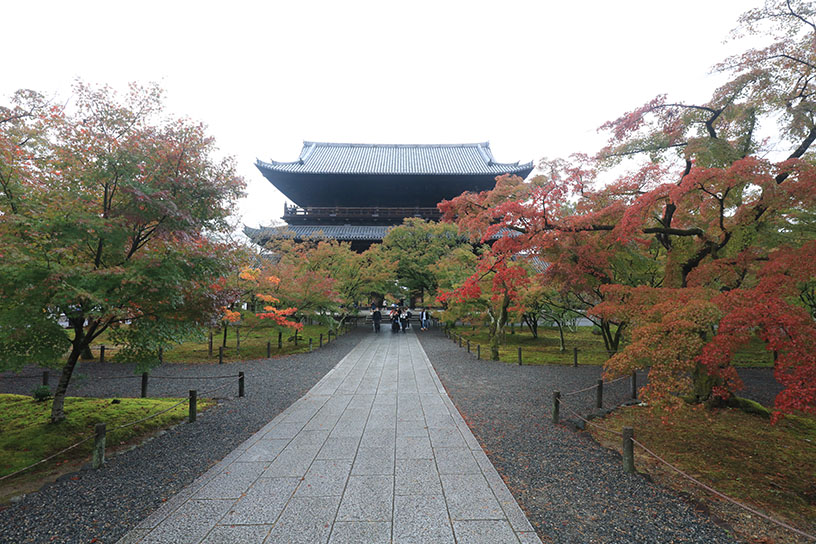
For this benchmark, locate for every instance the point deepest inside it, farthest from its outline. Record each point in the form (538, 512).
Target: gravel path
(101, 506)
(572, 489)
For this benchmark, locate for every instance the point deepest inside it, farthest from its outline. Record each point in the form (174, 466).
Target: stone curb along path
(375, 452)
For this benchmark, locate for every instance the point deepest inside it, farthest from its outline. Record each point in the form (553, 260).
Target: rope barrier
(122, 426)
(723, 495)
(46, 459)
(588, 422)
(708, 488)
(591, 387)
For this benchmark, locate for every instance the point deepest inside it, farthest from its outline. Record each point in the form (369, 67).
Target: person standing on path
(424, 320)
(376, 317)
(404, 316)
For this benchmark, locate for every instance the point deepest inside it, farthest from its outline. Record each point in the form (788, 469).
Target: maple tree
(415, 246)
(105, 211)
(705, 241)
(493, 292)
(325, 279)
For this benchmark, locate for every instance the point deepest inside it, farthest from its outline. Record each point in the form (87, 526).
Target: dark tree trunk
(58, 406)
(562, 347)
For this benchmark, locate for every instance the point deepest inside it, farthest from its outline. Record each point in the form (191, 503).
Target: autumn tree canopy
(707, 240)
(105, 211)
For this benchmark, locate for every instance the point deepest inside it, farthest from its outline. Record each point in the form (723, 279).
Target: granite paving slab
(374, 452)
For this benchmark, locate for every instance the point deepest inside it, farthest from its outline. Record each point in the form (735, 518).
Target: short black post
(280, 339)
(99, 446)
(268, 350)
(209, 345)
(468, 346)
(321, 340)
(161, 355)
(634, 385)
(519, 355)
(599, 395)
(144, 385)
(220, 355)
(556, 406)
(193, 401)
(574, 356)
(295, 337)
(628, 450)
(310, 344)
(45, 377)
(102, 353)
(240, 384)
(460, 340)
(478, 351)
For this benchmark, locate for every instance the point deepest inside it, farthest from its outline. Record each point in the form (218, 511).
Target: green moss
(26, 434)
(740, 454)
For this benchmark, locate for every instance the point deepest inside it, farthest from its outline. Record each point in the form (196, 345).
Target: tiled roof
(336, 158)
(336, 232)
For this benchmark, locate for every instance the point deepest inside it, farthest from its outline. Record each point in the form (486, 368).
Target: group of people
(400, 318)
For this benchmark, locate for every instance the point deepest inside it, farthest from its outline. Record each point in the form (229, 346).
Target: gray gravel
(104, 504)
(572, 489)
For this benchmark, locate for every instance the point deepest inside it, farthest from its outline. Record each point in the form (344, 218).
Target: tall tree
(105, 211)
(700, 203)
(415, 246)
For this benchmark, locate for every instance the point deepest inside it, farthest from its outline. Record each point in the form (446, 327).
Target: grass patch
(26, 434)
(253, 344)
(768, 467)
(546, 349)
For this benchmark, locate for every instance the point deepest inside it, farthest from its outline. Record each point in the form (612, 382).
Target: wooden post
(599, 395)
(102, 353)
(209, 345)
(628, 450)
(310, 344)
(478, 351)
(280, 339)
(321, 340)
(161, 355)
(460, 340)
(634, 385)
(220, 355)
(574, 356)
(468, 346)
(238, 341)
(268, 350)
(240, 384)
(45, 377)
(519, 355)
(144, 385)
(193, 401)
(99, 446)
(556, 406)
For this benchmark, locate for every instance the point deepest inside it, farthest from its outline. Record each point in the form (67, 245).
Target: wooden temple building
(356, 192)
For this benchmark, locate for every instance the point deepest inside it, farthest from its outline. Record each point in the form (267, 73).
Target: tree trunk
(57, 407)
(703, 385)
(563, 347)
(86, 354)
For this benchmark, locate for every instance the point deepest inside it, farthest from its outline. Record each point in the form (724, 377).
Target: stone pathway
(375, 452)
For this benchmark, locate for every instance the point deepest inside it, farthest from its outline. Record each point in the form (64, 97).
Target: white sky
(535, 78)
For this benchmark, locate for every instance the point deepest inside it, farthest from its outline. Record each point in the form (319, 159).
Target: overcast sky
(534, 78)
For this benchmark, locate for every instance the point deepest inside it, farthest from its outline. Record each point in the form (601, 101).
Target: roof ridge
(307, 143)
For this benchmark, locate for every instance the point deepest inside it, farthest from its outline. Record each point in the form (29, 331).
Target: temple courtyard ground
(363, 441)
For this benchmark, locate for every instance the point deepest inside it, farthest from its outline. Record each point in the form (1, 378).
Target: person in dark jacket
(376, 317)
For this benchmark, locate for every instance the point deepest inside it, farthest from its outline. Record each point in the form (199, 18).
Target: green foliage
(416, 246)
(109, 217)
